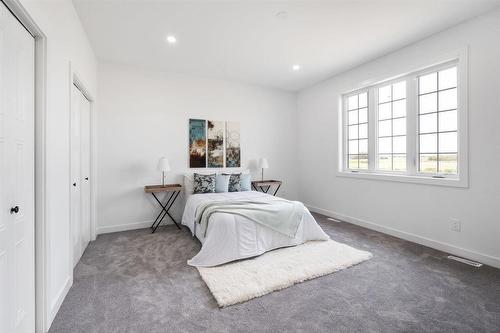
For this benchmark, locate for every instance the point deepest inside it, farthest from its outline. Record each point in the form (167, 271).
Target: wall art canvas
(197, 143)
(215, 143)
(233, 153)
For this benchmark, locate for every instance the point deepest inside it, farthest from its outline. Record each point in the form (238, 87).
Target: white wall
(66, 42)
(144, 115)
(417, 212)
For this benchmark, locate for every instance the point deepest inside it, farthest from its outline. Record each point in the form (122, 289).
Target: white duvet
(231, 237)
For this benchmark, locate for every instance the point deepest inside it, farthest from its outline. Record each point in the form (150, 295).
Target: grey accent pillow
(204, 183)
(234, 182)
(246, 182)
(222, 183)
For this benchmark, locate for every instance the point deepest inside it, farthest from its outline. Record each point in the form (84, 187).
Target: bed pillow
(189, 181)
(246, 182)
(234, 182)
(222, 183)
(204, 183)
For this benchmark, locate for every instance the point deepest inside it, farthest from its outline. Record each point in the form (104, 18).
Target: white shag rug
(243, 280)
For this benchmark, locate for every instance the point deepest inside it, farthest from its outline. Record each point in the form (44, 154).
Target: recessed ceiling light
(296, 67)
(282, 15)
(171, 39)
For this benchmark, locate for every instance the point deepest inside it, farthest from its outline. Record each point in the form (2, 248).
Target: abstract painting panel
(215, 144)
(233, 154)
(197, 143)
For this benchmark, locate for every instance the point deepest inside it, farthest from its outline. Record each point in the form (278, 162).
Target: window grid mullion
(426, 133)
(437, 125)
(412, 125)
(358, 130)
(392, 128)
(437, 90)
(372, 131)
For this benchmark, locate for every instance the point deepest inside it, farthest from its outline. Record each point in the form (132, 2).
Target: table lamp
(163, 166)
(263, 164)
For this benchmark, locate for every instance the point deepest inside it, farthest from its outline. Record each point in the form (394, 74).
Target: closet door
(17, 222)
(76, 209)
(80, 173)
(85, 170)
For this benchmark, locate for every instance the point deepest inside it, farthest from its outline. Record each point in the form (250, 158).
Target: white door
(80, 173)
(85, 170)
(17, 236)
(75, 176)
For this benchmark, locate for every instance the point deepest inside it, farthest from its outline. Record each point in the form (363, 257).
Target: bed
(230, 237)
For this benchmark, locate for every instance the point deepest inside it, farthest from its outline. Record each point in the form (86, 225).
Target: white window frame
(412, 174)
(375, 88)
(346, 127)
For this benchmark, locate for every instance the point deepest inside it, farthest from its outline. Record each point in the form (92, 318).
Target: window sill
(426, 180)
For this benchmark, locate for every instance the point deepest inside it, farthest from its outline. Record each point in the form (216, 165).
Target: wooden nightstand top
(266, 182)
(162, 188)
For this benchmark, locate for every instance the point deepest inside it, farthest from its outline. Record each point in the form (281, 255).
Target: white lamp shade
(163, 165)
(263, 164)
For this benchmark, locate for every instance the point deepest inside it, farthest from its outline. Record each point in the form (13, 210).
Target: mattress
(232, 237)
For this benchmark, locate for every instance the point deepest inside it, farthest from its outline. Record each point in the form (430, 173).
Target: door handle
(74, 184)
(14, 210)
(86, 178)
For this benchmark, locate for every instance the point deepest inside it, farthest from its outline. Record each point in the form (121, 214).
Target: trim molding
(57, 302)
(445, 247)
(125, 227)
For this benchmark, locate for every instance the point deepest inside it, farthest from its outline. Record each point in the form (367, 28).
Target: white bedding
(231, 237)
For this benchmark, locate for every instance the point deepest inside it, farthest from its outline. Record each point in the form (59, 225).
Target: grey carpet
(136, 281)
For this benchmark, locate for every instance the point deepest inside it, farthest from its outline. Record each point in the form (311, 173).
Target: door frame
(75, 80)
(41, 239)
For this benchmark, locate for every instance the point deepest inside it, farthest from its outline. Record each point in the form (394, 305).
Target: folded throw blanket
(281, 215)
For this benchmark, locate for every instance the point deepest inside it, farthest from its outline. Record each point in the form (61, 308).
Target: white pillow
(188, 183)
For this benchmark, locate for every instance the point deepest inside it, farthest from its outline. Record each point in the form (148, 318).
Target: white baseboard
(445, 247)
(58, 300)
(123, 227)
(129, 226)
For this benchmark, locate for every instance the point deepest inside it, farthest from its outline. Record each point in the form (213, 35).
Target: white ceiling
(245, 41)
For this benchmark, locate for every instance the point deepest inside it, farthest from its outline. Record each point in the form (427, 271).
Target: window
(413, 126)
(357, 131)
(438, 132)
(392, 127)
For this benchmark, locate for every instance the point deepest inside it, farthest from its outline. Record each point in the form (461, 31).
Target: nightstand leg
(160, 216)
(277, 189)
(175, 222)
(164, 212)
(266, 190)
